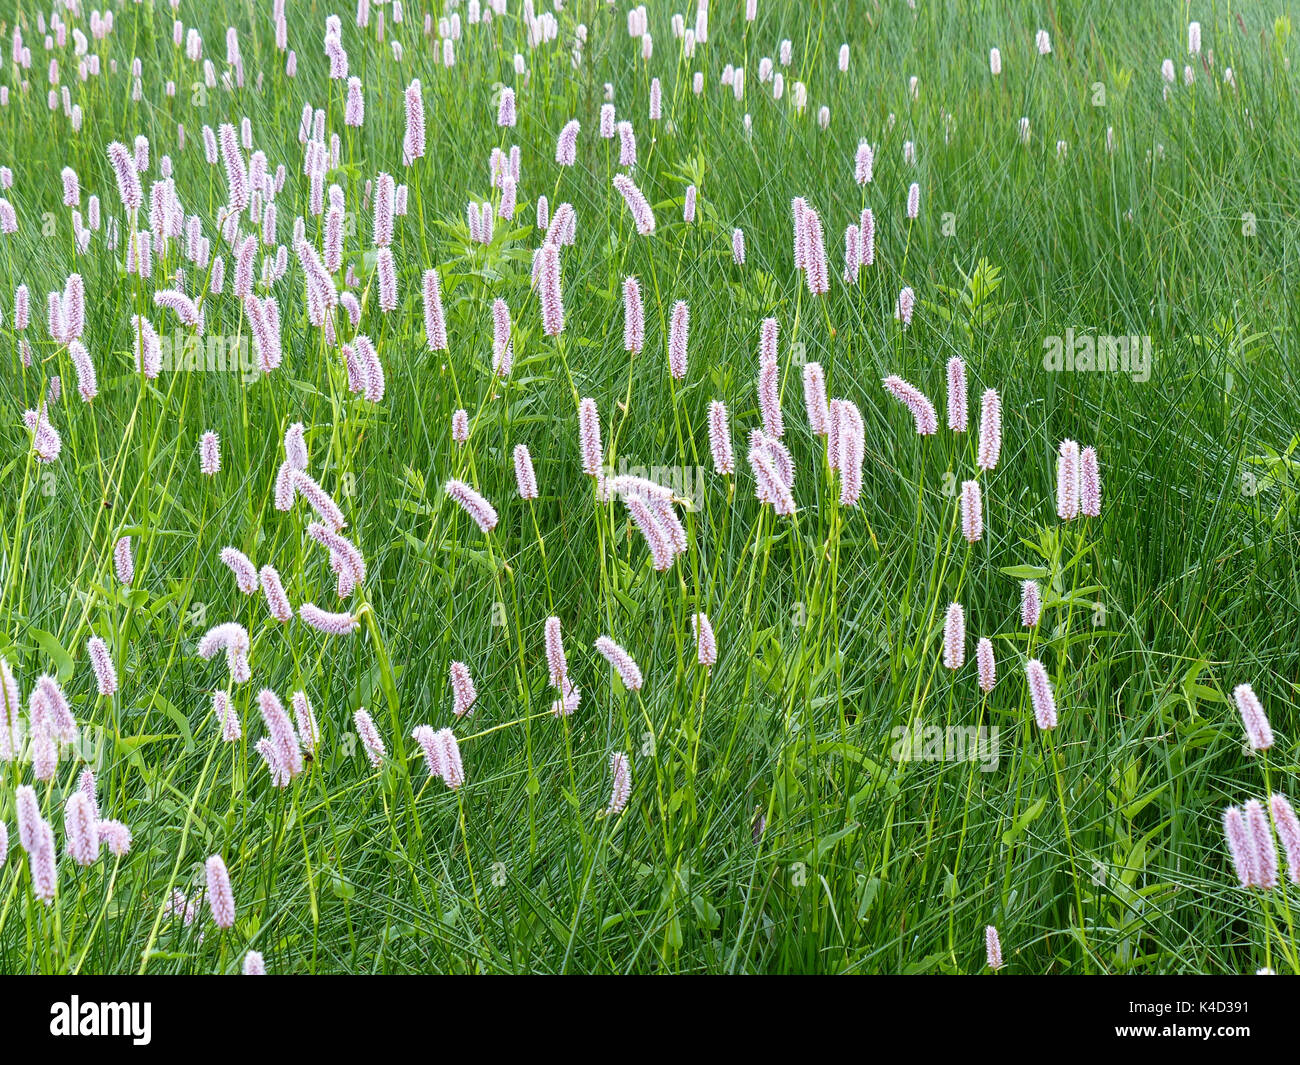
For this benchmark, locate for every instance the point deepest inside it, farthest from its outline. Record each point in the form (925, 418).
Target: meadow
(718, 487)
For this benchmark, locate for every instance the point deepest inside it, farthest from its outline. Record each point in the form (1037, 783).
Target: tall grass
(770, 826)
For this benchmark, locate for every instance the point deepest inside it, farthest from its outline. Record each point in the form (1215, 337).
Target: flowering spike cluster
(1040, 694)
(923, 412)
(621, 787)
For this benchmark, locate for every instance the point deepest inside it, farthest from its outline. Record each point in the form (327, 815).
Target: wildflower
(566, 145)
(1067, 481)
(633, 316)
(525, 478)
(621, 789)
(435, 327)
(123, 563)
(1040, 694)
(102, 663)
(244, 570)
(720, 438)
(1261, 842)
(230, 729)
(589, 437)
(972, 511)
(642, 215)
(621, 661)
(1258, 732)
(209, 454)
(990, 443)
(706, 645)
(549, 290)
(464, 694)
(1288, 831)
(814, 397)
(652, 529)
(1031, 605)
(1240, 846)
(769, 486)
(324, 621)
(221, 900)
(254, 964)
(769, 397)
(81, 829)
(863, 160)
(904, 306)
(986, 665)
(678, 332)
(923, 412)
(954, 637)
(555, 660)
(1089, 483)
(305, 717)
(478, 508)
(370, 740)
(993, 948)
(956, 395)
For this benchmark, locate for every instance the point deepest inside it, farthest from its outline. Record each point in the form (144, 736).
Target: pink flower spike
(1089, 483)
(244, 570)
(225, 713)
(464, 694)
(324, 621)
(956, 395)
(1031, 604)
(814, 398)
(724, 461)
(1239, 846)
(954, 637)
(525, 477)
(589, 437)
(972, 511)
(478, 508)
(556, 662)
(1261, 840)
(1067, 481)
(987, 666)
(621, 788)
(221, 900)
(1040, 694)
(1258, 732)
(369, 735)
(923, 412)
(277, 601)
(706, 645)
(460, 426)
(209, 454)
(993, 948)
(305, 717)
(102, 663)
(1288, 831)
(123, 563)
(626, 665)
(80, 826)
(990, 445)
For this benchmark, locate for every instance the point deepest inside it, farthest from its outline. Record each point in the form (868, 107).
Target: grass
(770, 828)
